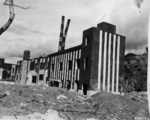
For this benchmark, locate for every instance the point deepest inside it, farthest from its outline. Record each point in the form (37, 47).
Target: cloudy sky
(38, 29)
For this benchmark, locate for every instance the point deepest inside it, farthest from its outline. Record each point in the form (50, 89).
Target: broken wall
(65, 67)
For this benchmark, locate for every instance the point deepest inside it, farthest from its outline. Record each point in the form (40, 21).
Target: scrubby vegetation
(135, 72)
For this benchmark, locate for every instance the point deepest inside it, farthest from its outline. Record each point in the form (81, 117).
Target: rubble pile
(137, 96)
(119, 107)
(24, 100)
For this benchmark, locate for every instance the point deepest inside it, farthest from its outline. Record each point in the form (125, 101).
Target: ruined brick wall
(86, 60)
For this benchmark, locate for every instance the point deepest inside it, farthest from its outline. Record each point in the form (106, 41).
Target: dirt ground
(24, 100)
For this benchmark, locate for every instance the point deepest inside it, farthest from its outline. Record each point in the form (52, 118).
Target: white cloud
(38, 29)
(131, 23)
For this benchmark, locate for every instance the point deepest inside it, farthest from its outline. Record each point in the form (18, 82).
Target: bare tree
(12, 14)
(11, 18)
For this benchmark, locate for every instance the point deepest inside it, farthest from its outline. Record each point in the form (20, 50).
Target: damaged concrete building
(96, 64)
(7, 70)
(32, 71)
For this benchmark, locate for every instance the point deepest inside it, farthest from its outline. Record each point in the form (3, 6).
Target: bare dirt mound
(30, 99)
(23, 100)
(118, 107)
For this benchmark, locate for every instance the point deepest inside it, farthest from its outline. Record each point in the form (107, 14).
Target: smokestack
(26, 55)
(65, 34)
(61, 33)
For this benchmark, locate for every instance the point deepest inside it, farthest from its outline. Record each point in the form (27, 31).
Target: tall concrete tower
(102, 58)
(25, 67)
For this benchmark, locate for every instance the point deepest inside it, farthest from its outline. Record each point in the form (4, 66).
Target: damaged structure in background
(32, 71)
(96, 64)
(7, 70)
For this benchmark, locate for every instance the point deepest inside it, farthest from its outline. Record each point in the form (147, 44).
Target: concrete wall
(105, 53)
(122, 58)
(95, 60)
(13, 72)
(18, 72)
(1, 73)
(24, 72)
(29, 77)
(63, 67)
(2, 62)
(86, 53)
(111, 60)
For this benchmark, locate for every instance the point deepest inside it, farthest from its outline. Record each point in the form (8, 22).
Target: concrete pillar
(118, 62)
(113, 68)
(109, 63)
(104, 59)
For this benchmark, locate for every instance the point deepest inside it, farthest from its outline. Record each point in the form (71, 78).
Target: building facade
(96, 64)
(7, 70)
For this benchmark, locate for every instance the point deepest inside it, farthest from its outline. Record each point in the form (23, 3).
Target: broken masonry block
(4, 94)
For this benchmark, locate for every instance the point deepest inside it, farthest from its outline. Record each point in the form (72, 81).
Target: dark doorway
(33, 79)
(77, 83)
(85, 88)
(5, 74)
(68, 85)
(54, 83)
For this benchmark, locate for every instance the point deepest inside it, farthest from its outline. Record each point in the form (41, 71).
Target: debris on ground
(36, 102)
(61, 97)
(4, 94)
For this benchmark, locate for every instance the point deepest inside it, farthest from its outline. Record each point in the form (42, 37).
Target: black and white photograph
(74, 60)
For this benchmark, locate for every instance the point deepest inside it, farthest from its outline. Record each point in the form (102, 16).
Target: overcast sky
(38, 29)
